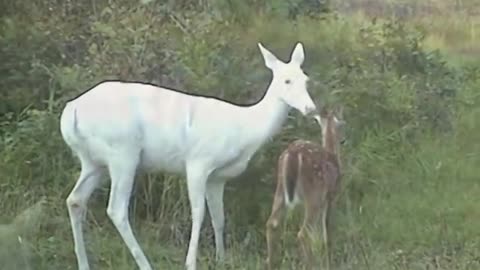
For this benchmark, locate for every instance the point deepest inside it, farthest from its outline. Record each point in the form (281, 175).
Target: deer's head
(289, 82)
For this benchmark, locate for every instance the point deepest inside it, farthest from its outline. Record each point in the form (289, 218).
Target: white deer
(121, 127)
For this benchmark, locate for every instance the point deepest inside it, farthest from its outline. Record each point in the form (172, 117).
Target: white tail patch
(293, 189)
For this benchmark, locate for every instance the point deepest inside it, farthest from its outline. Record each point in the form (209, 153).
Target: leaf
(106, 10)
(145, 2)
(104, 29)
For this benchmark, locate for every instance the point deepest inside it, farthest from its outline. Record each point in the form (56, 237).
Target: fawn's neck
(330, 142)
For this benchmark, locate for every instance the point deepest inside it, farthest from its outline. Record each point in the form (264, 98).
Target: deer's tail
(68, 124)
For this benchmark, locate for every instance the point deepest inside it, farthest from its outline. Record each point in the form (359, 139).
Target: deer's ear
(298, 54)
(270, 60)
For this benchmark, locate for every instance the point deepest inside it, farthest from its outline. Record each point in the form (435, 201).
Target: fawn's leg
(326, 228)
(316, 205)
(304, 235)
(277, 215)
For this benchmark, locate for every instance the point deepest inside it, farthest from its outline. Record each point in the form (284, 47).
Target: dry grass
(450, 26)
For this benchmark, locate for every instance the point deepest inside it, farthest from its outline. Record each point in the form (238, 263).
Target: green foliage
(410, 179)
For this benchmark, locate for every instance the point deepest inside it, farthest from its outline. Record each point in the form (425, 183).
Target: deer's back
(165, 127)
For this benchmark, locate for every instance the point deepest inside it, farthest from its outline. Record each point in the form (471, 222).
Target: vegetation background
(407, 71)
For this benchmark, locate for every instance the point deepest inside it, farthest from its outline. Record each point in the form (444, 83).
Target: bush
(407, 111)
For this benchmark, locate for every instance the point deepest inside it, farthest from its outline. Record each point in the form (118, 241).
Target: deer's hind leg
(77, 200)
(277, 215)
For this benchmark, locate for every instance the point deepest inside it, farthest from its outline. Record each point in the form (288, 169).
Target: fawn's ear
(338, 115)
(339, 122)
(340, 112)
(324, 112)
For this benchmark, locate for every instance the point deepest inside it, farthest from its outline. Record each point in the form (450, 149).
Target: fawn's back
(307, 167)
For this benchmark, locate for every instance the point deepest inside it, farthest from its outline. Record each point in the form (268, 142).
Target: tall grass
(450, 26)
(409, 196)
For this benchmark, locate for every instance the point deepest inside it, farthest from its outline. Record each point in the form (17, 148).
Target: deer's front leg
(197, 176)
(215, 189)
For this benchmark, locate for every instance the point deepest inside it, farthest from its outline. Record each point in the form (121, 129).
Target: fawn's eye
(287, 81)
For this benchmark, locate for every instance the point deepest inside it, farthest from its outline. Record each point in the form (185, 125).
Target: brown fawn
(308, 173)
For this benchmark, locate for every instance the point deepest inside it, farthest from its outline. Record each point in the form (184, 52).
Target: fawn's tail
(289, 169)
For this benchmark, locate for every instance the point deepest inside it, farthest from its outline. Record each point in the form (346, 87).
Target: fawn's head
(289, 82)
(332, 124)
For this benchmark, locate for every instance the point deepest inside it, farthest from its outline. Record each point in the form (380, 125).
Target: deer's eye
(287, 81)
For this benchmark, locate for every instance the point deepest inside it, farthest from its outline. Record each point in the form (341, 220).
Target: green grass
(404, 205)
(453, 29)
(420, 210)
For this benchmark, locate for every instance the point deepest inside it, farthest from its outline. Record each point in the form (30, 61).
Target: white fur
(122, 127)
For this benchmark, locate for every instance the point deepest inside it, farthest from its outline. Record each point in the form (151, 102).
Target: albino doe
(308, 173)
(121, 127)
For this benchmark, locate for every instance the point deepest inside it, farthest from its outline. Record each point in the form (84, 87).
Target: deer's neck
(266, 118)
